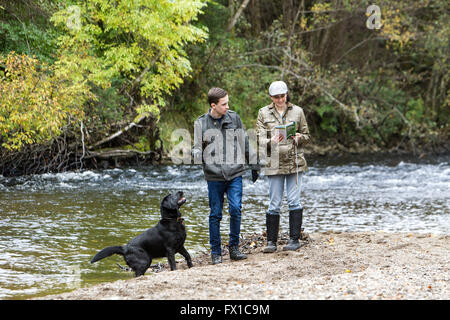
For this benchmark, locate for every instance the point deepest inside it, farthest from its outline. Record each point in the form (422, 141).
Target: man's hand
(255, 175)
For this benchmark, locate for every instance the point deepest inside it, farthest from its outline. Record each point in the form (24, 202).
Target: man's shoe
(295, 224)
(235, 254)
(216, 258)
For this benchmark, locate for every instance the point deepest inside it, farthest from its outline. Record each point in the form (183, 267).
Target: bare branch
(291, 31)
(82, 141)
(358, 45)
(118, 133)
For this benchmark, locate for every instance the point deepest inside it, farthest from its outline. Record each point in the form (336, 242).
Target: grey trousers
(276, 190)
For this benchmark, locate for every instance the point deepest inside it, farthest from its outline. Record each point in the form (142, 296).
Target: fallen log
(118, 153)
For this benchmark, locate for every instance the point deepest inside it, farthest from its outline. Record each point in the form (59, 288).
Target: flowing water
(52, 224)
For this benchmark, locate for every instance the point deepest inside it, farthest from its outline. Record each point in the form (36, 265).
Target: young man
(220, 144)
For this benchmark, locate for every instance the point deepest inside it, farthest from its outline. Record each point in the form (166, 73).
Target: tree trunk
(235, 18)
(255, 16)
(326, 35)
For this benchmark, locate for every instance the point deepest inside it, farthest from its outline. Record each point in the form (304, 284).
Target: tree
(140, 42)
(36, 102)
(119, 58)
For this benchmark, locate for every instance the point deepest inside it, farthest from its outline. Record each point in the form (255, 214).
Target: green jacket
(281, 157)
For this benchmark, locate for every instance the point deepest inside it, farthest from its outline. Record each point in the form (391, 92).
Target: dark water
(52, 224)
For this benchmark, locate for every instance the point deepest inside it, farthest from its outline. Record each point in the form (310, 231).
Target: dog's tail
(108, 251)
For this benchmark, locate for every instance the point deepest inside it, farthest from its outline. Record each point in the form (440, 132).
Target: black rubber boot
(235, 254)
(295, 224)
(272, 226)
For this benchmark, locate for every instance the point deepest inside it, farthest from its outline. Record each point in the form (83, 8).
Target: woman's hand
(277, 138)
(296, 138)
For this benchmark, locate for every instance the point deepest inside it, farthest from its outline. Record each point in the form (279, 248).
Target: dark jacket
(222, 147)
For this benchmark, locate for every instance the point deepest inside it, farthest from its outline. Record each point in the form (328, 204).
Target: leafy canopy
(141, 41)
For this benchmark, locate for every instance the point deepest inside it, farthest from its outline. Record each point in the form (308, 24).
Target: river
(52, 224)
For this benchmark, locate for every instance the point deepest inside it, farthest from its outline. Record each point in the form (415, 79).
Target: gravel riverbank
(330, 265)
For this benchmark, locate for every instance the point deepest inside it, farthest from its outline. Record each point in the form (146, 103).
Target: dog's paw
(123, 268)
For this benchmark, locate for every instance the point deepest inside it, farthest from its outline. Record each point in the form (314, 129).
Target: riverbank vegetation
(96, 83)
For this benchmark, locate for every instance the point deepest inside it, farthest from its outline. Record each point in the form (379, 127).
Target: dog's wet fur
(163, 240)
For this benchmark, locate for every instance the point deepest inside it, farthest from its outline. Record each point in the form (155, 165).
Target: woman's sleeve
(303, 130)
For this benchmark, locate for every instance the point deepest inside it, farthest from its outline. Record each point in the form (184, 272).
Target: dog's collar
(178, 219)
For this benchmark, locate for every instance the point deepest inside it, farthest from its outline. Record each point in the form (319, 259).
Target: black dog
(163, 240)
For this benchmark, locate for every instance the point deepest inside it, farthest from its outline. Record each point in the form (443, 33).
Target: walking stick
(296, 161)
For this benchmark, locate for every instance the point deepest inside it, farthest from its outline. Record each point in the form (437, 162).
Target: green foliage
(173, 120)
(108, 107)
(415, 111)
(140, 41)
(24, 28)
(35, 102)
(247, 87)
(328, 114)
(27, 38)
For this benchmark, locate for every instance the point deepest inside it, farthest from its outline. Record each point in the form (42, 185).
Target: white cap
(278, 87)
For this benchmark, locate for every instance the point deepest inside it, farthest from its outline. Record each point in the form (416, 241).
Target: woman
(291, 163)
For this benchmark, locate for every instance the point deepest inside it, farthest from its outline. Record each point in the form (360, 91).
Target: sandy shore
(332, 265)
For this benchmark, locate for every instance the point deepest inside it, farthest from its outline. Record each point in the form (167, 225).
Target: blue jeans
(216, 192)
(276, 189)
